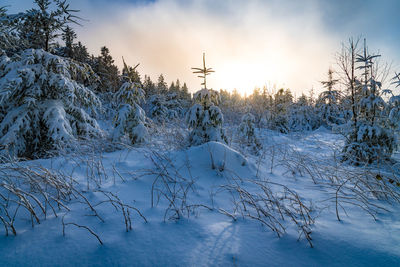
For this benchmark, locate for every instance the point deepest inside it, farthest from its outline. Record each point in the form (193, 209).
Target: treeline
(52, 93)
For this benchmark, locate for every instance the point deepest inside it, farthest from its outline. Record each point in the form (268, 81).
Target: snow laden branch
(45, 102)
(130, 119)
(205, 118)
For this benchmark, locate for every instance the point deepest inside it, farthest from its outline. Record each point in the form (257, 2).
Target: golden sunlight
(245, 76)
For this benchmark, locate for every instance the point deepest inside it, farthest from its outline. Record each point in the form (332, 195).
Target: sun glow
(245, 76)
(247, 49)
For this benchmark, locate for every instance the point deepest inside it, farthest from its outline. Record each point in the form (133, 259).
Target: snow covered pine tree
(130, 118)
(204, 117)
(327, 102)
(394, 107)
(247, 132)
(9, 40)
(44, 100)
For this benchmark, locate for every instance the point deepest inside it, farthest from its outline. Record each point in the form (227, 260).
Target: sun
(244, 76)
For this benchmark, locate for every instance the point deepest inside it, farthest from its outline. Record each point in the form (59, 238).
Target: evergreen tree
(283, 99)
(43, 101)
(68, 37)
(80, 53)
(327, 102)
(204, 118)
(394, 107)
(131, 73)
(107, 71)
(158, 109)
(185, 93)
(9, 40)
(148, 86)
(177, 86)
(302, 116)
(42, 25)
(165, 107)
(247, 132)
(162, 87)
(130, 119)
(172, 87)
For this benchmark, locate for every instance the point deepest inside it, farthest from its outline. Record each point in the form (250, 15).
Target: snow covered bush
(278, 116)
(302, 116)
(130, 118)
(247, 132)
(205, 118)
(44, 102)
(158, 108)
(370, 143)
(165, 107)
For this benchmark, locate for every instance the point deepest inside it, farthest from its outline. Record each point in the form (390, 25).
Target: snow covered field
(191, 201)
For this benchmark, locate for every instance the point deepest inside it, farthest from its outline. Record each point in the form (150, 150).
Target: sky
(288, 44)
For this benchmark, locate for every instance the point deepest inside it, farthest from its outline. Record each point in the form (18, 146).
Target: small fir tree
(162, 87)
(68, 36)
(104, 66)
(247, 132)
(130, 119)
(327, 102)
(204, 118)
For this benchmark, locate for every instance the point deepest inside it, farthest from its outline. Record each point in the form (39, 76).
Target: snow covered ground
(198, 231)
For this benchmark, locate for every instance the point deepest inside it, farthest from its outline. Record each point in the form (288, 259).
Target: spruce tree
(68, 37)
(327, 102)
(394, 106)
(302, 116)
(9, 40)
(80, 53)
(247, 132)
(41, 26)
(205, 118)
(131, 118)
(148, 86)
(107, 71)
(184, 93)
(44, 102)
(162, 87)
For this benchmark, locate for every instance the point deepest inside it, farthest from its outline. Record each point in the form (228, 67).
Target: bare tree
(346, 60)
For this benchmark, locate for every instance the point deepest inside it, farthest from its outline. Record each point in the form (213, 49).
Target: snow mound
(217, 155)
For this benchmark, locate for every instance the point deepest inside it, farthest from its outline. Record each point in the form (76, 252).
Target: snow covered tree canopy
(205, 118)
(327, 101)
(247, 132)
(165, 107)
(394, 104)
(9, 41)
(207, 97)
(130, 118)
(44, 102)
(370, 139)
